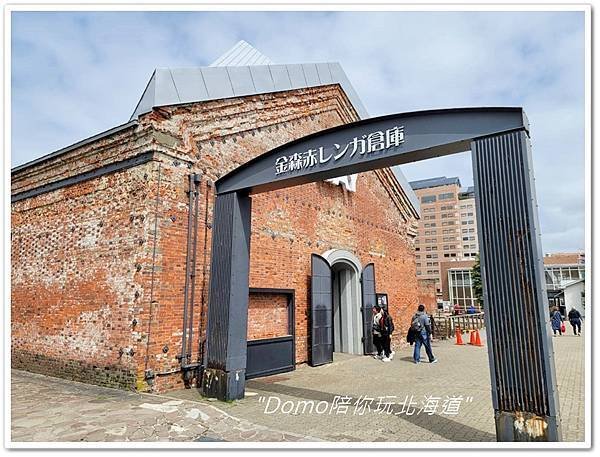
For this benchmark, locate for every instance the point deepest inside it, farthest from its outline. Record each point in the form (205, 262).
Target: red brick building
(101, 235)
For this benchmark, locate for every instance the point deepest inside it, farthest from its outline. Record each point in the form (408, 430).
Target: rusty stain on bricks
(44, 268)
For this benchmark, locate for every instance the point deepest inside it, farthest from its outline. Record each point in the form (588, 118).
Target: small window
(428, 199)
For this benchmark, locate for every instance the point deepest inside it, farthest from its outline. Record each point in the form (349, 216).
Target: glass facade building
(557, 276)
(460, 287)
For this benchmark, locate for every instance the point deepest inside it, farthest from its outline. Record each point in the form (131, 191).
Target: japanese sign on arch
(379, 140)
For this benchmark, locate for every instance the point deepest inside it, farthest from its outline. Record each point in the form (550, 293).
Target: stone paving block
(51, 409)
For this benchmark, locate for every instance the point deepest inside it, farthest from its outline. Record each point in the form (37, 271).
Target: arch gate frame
(523, 380)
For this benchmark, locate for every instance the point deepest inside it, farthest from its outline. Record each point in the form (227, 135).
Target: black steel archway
(519, 342)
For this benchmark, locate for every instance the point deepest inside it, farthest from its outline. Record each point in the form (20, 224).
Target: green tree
(476, 281)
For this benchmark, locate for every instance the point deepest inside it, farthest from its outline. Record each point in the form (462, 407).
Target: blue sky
(76, 74)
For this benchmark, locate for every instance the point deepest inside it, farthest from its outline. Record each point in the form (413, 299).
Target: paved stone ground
(461, 370)
(51, 409)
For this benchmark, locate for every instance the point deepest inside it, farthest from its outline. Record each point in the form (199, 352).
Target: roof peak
(242, 54)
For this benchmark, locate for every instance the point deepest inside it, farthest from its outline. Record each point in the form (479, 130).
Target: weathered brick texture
(427, 294)
(98, 268)
(267, 315)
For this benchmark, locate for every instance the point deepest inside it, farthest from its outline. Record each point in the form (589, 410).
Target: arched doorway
(347, 301)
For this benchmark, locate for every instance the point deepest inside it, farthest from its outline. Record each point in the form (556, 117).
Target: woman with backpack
(381, 334)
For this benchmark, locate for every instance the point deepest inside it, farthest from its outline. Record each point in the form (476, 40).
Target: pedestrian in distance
(421, 327)
(377, 337)
(381, 334)
(432, 323)
(387, 328)
(575, 321)
(457, 310)
(556, 320)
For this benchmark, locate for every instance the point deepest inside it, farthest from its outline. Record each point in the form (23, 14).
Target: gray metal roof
(241, 71)
(244, 71)
(434, 182)
(241, 54)
(173, 86)
(88, 140)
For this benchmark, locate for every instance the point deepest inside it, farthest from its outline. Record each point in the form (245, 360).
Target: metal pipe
(183, 355)
(193, 267)
(204, 261)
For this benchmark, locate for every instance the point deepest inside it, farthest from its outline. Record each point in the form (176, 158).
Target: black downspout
(183, 356)
(193, 268)
(201, 336)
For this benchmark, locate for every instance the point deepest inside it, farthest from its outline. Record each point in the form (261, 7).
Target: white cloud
(75, 74)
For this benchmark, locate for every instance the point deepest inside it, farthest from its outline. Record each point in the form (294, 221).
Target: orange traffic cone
(477, 339)
(472, 340)
(459, 340)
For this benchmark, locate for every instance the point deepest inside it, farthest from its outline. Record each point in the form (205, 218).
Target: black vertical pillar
(224, 375)
(521, 357)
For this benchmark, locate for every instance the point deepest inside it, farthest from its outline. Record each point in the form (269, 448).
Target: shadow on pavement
(437, 424)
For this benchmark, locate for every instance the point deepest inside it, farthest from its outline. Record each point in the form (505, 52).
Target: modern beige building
(447, 228)
(468, 223)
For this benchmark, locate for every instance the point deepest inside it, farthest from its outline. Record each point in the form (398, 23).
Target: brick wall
(267, 315)
(76, 293)
(73, 279)
(427, 294)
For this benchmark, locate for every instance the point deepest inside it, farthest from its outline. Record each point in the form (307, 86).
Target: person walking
(377, 338)
(387, 328)
(380, 334)
(556, 320)
(575, 321)
(433, 330)
(421, 326)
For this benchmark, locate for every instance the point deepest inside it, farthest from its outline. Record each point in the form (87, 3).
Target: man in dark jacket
(421, 326)
(575, 320)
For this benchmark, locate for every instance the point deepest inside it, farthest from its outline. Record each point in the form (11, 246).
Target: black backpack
(389, 323)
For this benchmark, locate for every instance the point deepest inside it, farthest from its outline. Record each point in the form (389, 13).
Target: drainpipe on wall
(207, 226)
(183, 353)
(193, 268)
(190, 276)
